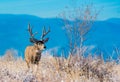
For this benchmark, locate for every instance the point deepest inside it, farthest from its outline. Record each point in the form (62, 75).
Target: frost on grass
(58, 69)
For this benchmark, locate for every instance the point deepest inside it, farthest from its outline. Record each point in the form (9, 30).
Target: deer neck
(37, 50)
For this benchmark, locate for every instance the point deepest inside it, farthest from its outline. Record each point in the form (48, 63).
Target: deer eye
(39, 43)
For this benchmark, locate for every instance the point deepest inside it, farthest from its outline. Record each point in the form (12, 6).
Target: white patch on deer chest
(37, 51)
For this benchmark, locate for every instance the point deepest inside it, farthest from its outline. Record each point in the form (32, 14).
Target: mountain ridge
(13, 33)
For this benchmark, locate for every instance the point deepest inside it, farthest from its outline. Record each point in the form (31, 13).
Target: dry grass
(53, 69)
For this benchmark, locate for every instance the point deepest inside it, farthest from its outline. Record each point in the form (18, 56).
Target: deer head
(40, 44)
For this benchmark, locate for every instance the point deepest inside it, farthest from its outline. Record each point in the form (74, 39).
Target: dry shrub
(75, 68)
(10, 55)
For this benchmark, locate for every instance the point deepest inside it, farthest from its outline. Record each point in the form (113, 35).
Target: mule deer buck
(33, 53)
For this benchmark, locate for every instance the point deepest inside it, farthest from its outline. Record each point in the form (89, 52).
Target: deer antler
(32, 39)
(44, 33)
(30, 31)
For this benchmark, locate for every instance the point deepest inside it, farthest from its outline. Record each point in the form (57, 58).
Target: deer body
(33, 53)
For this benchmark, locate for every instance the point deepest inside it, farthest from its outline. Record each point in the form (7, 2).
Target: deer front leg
(28, 63)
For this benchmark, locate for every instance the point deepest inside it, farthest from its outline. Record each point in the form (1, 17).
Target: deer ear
(45, 40)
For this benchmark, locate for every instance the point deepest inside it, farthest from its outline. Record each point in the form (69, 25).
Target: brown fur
(33, 54)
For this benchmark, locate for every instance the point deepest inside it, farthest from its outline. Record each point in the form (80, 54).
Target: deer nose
(44, 46)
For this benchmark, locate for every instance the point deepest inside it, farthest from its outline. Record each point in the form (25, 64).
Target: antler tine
(30, 31)
(44, 32)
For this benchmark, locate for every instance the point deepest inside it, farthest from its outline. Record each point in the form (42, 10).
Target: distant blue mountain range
(104, 35)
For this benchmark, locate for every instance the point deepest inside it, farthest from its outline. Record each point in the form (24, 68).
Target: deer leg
(28, 64)
(36, 62)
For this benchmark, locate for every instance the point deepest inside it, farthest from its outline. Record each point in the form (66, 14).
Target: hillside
(13, 33)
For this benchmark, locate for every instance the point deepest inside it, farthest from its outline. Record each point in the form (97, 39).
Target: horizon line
(53, 17)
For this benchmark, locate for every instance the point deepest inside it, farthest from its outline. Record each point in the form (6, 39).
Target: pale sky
(51, 8)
